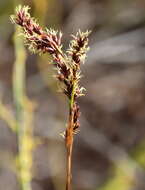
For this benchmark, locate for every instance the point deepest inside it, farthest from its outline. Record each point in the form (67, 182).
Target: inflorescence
(67, 64)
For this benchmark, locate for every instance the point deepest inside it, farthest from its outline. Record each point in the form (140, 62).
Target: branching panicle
(67, 66)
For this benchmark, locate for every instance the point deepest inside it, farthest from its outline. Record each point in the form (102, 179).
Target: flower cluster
(67, 64)
(78, 47)
(36, 38)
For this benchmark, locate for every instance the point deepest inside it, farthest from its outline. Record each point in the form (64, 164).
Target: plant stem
(23, 135)
(69, 140)
(69, 146)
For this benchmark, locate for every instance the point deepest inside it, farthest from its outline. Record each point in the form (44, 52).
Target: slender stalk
(69, 161)
(69, 141)
(23, 135)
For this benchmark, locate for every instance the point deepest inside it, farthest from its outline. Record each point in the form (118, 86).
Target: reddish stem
(69, 147)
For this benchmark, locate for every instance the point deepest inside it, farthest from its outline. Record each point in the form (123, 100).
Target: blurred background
(109, 151)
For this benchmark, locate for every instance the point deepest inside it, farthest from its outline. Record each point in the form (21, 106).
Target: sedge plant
(67, 65)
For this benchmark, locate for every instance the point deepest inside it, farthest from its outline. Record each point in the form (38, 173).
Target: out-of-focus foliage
(118, 181)
(109, 151)
(139, 154)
